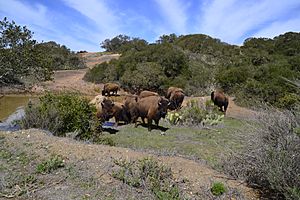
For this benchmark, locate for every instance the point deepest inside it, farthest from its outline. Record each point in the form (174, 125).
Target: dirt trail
(71, 80)
(99, 160)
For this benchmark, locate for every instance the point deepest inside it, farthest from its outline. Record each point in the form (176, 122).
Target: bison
(130, 104)
(219, 99)
(110, 87)
(147, 93)
(111, 109)
(176, 96)
(152, 108)
(97, 102)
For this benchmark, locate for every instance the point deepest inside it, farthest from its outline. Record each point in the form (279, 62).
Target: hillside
(87, 171)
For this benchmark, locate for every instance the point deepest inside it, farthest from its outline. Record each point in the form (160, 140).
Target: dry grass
(271, 158)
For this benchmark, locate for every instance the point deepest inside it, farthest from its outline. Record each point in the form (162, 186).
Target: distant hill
(254, 72)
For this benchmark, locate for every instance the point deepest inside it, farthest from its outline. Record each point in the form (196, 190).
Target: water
(9, 104)
(12, 109)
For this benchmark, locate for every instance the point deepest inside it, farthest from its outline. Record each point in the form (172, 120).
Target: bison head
(107, 110)
(163, 104)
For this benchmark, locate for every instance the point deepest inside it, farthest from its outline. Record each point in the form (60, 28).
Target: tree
(19, 56)
(115, 43)
(167, 38)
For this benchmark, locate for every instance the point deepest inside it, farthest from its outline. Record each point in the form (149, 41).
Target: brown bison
(147, 93)
(152, 108)
(219, 99)
(130, 104)
(97, 102)
(176, 96)
(110, 87)
(111, 109)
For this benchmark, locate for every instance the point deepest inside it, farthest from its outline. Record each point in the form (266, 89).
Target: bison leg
(156, 121)
(149, 124)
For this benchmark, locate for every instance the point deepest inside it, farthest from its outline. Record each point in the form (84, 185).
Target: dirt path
(97, 161)
(71, 80)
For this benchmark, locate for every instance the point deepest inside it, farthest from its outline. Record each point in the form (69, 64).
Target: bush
(271, 159)
(61, 114)
(149, 174)
(196, 114)
(147, 76)
(218, 189)
(53, 163)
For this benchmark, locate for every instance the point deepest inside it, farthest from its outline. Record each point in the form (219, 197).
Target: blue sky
(84, 24)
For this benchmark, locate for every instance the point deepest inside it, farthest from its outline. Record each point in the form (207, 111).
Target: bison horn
(159, 103)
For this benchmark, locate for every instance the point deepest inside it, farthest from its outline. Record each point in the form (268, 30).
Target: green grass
(205, 144)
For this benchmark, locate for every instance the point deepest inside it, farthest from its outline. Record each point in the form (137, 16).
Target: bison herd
(147, 105)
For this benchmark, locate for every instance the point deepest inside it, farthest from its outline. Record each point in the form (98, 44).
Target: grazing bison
(110, 87)
(111, 109)
(175, 96)
(147, 93)
(152, 108)
(219, 99)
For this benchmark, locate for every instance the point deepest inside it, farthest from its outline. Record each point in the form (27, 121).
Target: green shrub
(196, 114)
(218, 189)
(53, 163)
(289, 101)
(61, 114)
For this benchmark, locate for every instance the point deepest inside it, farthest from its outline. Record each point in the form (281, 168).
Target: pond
(9, 104)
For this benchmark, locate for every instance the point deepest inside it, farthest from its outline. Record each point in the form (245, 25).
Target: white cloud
(22, 13)
(232, 20)
(278, 28)
(174, 12)
(40, 20)
(104, 18)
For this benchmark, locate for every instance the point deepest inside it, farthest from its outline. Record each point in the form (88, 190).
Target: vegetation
(255, 72)
(53, 163)
(197, 115)
(218, 189)
(61, 114)
(271, 158)
(24, 61)
(149, 174)
(61, 57)
(20, 57)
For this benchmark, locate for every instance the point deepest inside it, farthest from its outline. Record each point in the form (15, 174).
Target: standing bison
(219, 99)
(130, 104)
(111, 109)
(110, 87)
(152, 108)
(176, 96)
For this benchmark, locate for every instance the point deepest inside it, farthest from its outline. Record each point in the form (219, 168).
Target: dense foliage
(256, 71)
(61, 56)
(62, 114)
(20, 58)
